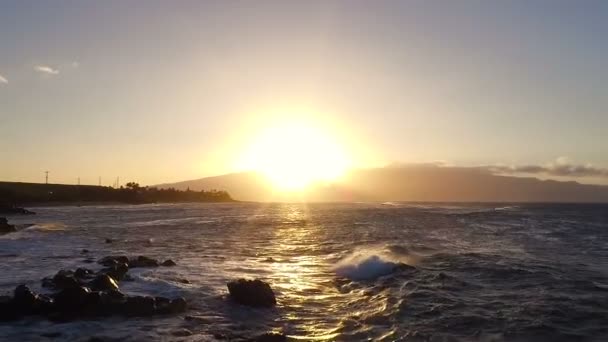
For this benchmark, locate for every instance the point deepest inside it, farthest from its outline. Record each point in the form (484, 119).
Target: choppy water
(482, 273)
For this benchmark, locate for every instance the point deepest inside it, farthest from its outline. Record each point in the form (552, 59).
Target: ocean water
(362, 271)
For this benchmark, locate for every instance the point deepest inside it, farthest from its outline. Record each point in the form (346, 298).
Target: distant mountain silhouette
(408, 183)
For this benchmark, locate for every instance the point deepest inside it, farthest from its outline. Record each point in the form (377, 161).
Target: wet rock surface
(84, 293)
(254, 293)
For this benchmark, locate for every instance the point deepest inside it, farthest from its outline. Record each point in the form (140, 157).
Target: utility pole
(78, 180)
(99, 180)
(46, 178)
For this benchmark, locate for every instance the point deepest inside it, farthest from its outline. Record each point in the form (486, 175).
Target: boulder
(143, 261)
(117, 272)
(252, 293)
(114, 260)
(103, 282)
(26, 302)
(83, 273)
(168, 262)
(23, 296)
(5, 227)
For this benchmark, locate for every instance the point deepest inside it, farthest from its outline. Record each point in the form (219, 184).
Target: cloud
(45, 69)
(75, 64)
(3, 80)
(561, 167)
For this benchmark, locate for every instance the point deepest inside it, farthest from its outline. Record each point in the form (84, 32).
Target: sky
(161, 91)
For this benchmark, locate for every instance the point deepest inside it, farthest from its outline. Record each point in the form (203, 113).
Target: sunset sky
(159, 91)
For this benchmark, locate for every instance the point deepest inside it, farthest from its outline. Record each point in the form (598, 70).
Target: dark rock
(114, 260)
(168, 262)
(252, 293)
(111, 302)
(140, 306)
(83, 273)
(170, 306)
(8, 310)
(88, 260)
(23, 296)
(103, 282)
(117, 272)
(143, 261)
(84, 251)
(109, 240)
(271, 337)
(62, 280)
(26, 302)
(70, 300)
(178, 305)
(11, 209)
(5, 227)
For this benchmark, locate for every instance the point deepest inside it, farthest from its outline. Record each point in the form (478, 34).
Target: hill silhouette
(424, 183)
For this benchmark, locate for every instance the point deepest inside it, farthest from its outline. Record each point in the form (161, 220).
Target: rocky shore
(87, 294)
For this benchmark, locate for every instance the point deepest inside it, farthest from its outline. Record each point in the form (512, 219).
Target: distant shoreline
(101, 203)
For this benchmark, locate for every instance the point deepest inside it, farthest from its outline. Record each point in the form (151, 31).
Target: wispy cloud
(561, 167)
(45, 69)
(3, 80)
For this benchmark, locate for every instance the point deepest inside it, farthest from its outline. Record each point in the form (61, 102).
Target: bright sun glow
(295, 154)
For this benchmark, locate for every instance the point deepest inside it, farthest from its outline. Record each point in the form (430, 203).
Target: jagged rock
(114, 260)
(83, 273)
(252, 293)
(168, 262)
(117, 272)
(62, 280)
(5, 227)
(143, 261)
(26, 302)
(103, 282)
(24, 296)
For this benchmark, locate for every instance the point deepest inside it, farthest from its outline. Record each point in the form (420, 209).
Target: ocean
(345, 272)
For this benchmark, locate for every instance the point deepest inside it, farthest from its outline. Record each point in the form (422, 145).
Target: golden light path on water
(308, 287)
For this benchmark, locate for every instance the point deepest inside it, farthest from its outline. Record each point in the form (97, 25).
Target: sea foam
(371, 263)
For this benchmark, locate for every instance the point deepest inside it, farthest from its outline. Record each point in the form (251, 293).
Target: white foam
(370, 263)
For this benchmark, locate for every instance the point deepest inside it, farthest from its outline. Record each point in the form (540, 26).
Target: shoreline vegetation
(15, 194)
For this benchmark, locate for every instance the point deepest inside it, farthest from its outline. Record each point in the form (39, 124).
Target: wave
(374, 262)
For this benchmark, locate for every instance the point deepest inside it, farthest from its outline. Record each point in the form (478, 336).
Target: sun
(294, 154)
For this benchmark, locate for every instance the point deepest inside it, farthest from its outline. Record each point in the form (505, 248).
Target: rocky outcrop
(5, 227)
(13, 210)
(254, 293)
(85, 293)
